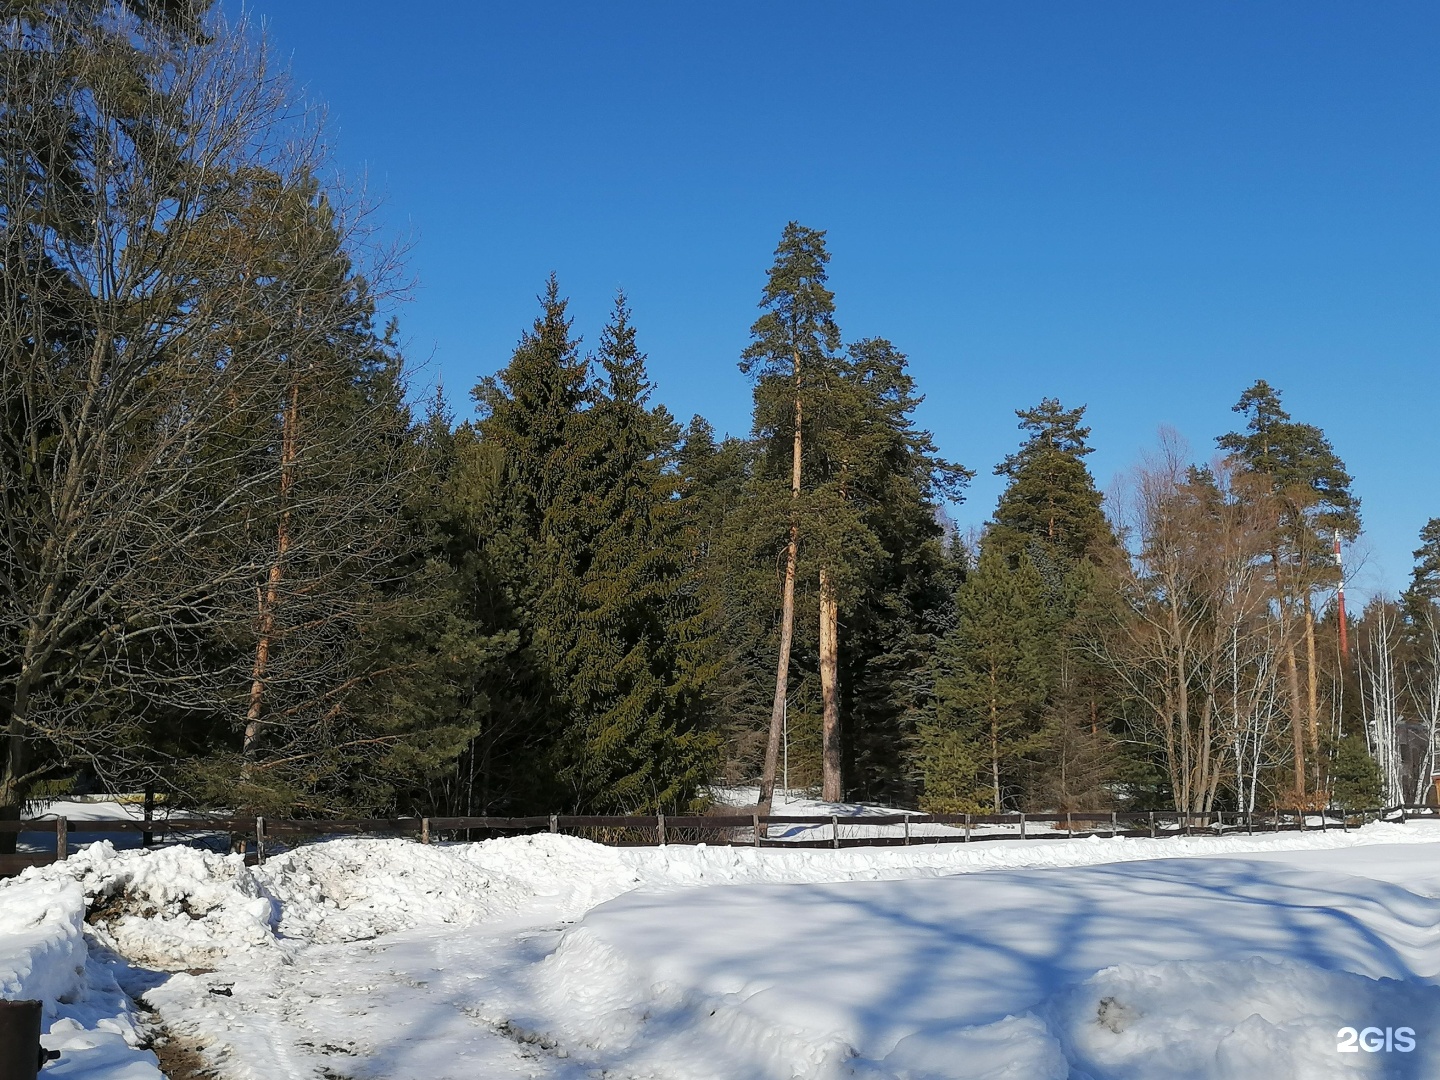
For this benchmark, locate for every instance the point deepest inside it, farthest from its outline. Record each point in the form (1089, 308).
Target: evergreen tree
(1423, 594)
(882, 533)
(731, 584)
(587, 542)
(1051, 513)
(528, 485)
(1051, 499)
(638, 740)
(1295, 465)
(989, 690)
(792, 356)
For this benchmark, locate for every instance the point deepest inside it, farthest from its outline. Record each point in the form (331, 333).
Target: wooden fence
(257, 837)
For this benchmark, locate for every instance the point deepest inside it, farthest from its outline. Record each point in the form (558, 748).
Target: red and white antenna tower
(1340, 567)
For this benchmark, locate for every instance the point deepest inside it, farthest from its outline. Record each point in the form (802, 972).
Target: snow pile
(174, 907)
(44, 956)
(1107, 959)
(42, 942)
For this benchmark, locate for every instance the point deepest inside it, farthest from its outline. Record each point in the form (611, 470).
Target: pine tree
(792, 356)
(1295, 465)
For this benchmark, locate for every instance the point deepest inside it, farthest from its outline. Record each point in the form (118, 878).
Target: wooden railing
(257, 837)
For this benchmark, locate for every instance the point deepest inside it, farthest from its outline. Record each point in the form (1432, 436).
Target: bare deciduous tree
(171, 280)
(1194, 644)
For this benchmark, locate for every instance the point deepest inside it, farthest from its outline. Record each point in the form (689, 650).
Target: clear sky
(1139, 207)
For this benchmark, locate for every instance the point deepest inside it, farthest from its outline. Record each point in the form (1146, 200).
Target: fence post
(260, 841)
(1022, 825)
(425, 830)
(1069, 826)
(907, 830)
(62, 839)
(660, 828)
(967, 828)
(1402, 814)
(1114, 825)
(1152, 824)
(554, 822)
(834, 831)
(148, 838)
(756, 838)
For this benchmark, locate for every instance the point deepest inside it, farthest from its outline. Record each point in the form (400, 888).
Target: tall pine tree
(793, 355)
(1294, 464)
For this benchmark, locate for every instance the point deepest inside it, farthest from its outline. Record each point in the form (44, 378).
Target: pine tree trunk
(1292, 680)
(832, 787)
(787, 617)
(1292, 677)
(271, 596)
(1312, 702)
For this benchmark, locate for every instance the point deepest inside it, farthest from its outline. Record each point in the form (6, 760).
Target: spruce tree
(989, 689)
(1051, 499)
(884, 482)
(1423, 594)
(638, 739)
(730, 575)
(1051, 513)
(533, 538)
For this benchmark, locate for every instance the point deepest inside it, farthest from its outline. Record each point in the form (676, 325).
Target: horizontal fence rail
(257, 837)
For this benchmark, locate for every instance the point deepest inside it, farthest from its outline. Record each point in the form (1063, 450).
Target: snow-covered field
(1203, 958)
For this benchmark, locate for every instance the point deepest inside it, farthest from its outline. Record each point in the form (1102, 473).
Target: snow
(547, 956)
(44, 955)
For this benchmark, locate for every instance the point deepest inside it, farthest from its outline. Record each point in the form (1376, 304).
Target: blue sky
(1139, 207)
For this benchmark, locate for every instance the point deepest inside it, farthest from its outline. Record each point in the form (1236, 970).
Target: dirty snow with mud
(1190, 958)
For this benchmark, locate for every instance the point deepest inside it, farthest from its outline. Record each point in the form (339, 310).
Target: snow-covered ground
(549, 957)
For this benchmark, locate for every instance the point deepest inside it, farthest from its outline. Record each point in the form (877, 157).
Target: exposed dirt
(180, 1059)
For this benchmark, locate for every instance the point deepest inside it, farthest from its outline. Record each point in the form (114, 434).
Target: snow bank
(44, 956)
(178, 908)
(872, 963)
(42, 942)
(1174, 969)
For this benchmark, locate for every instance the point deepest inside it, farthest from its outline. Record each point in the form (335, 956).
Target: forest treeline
(240, 564)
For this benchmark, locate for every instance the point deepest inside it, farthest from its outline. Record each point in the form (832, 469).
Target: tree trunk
(787, 618)
(12, 795)
(271, 596)
(994, 746)
(1312, 701)
(832, 787)
(1292, 681)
